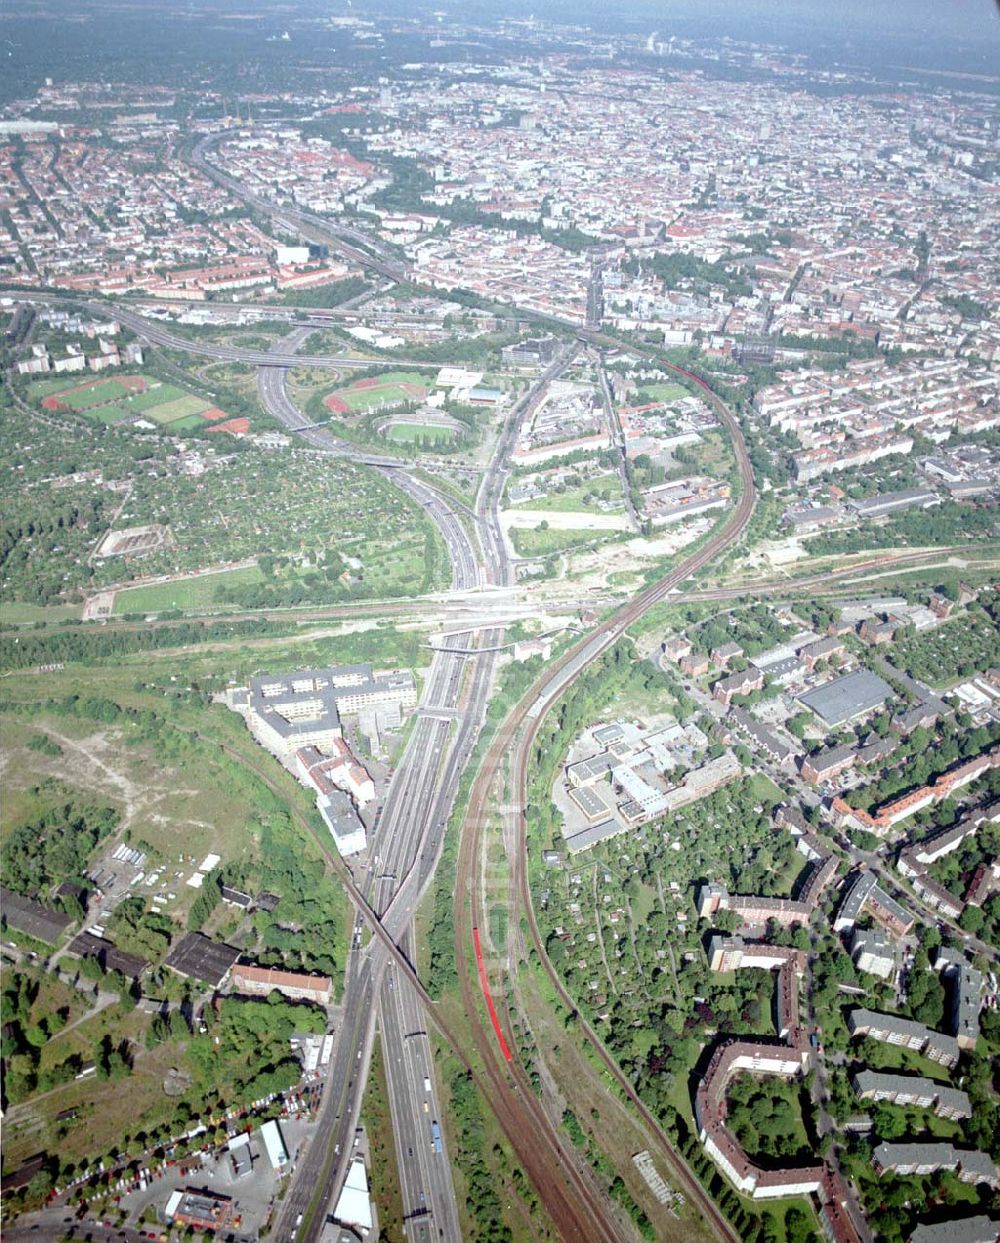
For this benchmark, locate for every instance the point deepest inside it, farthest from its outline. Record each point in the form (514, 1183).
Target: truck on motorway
(427, 1084)
(436, 1136)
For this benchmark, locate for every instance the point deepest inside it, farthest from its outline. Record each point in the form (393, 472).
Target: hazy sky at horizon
(952, 34)
(960, 17)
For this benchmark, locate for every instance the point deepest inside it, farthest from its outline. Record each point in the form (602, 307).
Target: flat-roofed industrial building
(847, 698)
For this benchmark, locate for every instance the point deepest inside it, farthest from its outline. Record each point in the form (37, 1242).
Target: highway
(494, 543)
(410, 832)
(406, 843)
(404, 836)
(403, 851)
(155, 333)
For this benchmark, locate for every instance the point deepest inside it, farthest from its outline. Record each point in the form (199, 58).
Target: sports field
(665, 392)
(395, 388)
(112, 399)
(406, 433)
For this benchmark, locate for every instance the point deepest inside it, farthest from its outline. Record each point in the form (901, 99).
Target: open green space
(660, 392)
(111, 400)
(880, 1055)
(154, 396)
(78, 392)
(586, 497)
(542, 542)
(766, 1116)
(408, 433)
(13, 613)
(177, 408)
(392, 388)
(184, 593)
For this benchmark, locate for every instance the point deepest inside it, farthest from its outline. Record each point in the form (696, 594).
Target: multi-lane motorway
(403, 850)
(406, 843)
(155, 333)
(425, 1178)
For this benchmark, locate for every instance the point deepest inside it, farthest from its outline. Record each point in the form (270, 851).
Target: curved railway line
(577, 1206)
(515, 738)
(572, 1199)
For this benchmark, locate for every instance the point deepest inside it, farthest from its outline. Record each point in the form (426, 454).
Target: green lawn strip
(184, 593)
(664, 392)
(14, 613)
(49, 388)
(542, 543)
(408, 432)
(155, 395)
(99, 394)
(177, 408)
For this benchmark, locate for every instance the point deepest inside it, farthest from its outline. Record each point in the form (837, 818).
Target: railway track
(572, 1205)
(515, 738)
(577, 1206)
(572, 1198)
(828, 582)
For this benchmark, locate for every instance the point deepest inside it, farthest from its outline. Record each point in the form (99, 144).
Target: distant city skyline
(832, 29)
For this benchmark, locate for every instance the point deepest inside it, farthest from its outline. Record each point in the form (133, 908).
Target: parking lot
(252, 1194)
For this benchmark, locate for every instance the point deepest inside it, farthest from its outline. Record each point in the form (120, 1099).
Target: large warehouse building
(847, 698)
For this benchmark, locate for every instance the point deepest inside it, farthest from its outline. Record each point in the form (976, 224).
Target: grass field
(111, 400)
(584, 498)
(179, 408)
(528, 543)
(404, 433)
(152, 397)
(393, 388)
(186, 593)
(13, 613)
(97, 394)
(665, 392)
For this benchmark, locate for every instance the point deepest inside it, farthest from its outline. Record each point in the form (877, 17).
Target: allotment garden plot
(128, 399)
(278, 531)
